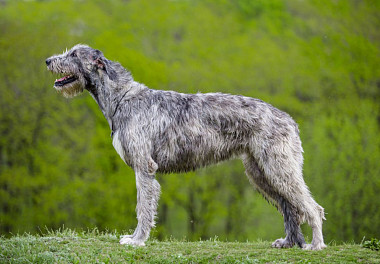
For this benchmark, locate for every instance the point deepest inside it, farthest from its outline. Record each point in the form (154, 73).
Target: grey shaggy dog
(165, 131)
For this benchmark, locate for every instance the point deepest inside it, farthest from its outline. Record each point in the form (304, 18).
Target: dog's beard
(71, 89)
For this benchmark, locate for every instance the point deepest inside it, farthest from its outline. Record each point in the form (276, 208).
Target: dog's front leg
(148, 192)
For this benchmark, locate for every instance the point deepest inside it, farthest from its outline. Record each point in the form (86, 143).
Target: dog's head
(81, 67)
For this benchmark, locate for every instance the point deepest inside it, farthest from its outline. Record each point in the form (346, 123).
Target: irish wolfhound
(165, 131)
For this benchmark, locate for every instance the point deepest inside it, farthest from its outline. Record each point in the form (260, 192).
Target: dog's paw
(126, 236)
(318, 246)
(131, 241)
(281, 243)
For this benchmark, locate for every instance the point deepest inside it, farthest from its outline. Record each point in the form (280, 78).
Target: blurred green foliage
(317, 60)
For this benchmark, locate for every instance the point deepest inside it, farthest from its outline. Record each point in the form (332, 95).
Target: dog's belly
(192, 146)
(184, 163)
(184, 160)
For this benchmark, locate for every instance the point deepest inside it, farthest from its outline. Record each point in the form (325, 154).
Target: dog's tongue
(63, 78)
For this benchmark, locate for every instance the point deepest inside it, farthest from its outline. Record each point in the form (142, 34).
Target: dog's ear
(98, 59)
(102, 63)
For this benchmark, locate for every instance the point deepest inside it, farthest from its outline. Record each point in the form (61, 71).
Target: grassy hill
(94, 247)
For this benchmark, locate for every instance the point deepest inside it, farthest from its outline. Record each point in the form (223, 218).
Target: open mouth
(65, 80)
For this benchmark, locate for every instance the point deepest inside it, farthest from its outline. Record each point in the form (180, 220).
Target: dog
(166, 131)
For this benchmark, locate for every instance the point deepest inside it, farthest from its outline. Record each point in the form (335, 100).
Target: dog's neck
(110, 94)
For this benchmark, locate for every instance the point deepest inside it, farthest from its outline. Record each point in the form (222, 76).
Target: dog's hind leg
(291, 186)
(291, 220)
(281, 164)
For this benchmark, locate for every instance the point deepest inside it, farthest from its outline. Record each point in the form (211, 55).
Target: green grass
(95, 247)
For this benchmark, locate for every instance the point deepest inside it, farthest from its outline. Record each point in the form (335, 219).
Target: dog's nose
(48, 61)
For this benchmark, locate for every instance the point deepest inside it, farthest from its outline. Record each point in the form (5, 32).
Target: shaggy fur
(165, 131)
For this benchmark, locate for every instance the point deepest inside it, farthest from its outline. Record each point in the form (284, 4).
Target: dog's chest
(117, 144)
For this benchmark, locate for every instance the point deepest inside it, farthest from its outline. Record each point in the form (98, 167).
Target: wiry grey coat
(166, 131)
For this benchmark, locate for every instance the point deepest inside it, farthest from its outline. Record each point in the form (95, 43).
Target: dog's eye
(74, 54)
